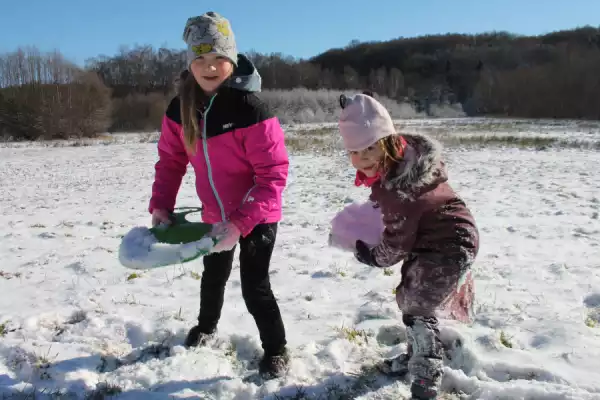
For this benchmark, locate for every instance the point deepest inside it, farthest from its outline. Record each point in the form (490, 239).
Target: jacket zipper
(248, 192)
(208, 166)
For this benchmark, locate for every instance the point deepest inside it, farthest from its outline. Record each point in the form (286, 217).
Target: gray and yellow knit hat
(209, 33)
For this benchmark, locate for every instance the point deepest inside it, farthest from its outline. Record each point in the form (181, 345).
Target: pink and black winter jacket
(241, 163)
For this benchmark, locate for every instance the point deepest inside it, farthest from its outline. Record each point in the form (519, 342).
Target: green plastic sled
(144, 248)
(181, 230)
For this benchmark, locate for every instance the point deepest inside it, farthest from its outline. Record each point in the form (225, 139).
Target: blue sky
(81, 29)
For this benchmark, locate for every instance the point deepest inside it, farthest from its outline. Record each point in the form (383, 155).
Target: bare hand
(227, 234)
(160, 216)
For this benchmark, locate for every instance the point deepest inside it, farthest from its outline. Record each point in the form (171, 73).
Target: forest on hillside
(555, 75)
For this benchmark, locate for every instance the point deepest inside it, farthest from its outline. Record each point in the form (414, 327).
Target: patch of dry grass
(535, 142)
(313, 140)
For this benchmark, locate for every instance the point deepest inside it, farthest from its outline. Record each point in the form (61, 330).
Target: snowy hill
(75, 323)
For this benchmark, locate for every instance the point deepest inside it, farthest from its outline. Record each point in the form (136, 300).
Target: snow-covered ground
(73, 320)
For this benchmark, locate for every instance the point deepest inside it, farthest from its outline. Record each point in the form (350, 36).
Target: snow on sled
(179, 242)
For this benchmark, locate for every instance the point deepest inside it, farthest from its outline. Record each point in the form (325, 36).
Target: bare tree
(45, 96)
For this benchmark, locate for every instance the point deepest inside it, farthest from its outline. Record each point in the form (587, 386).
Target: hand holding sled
(179, 242)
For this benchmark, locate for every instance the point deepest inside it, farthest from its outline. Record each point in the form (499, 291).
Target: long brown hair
(190, 96)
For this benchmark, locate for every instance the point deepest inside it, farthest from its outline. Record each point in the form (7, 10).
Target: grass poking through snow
(354, 335)
(529, 142)
(505, 340)
(593, 317)
(133, 276)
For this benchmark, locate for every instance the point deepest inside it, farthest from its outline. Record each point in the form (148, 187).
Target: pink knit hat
(363, 121)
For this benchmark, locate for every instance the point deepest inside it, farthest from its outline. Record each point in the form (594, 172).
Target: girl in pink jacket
(236, 147)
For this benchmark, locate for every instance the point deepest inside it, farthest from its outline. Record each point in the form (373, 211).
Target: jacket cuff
(156, 204)
(376, 259)
(243, 223)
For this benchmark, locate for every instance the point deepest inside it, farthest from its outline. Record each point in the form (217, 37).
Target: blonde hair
(190, 94)
(393, 151)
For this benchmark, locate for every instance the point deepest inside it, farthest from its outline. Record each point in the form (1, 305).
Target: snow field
(74, 321)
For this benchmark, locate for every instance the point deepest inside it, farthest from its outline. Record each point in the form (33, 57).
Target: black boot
(274, 365)
(395, 367)
(423, 389)
(196, 337)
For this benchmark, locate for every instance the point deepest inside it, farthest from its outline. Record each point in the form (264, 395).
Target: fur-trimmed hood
(421, 167)
(426, 222)
(427, 225)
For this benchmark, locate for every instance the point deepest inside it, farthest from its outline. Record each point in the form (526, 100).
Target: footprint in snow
(377, 310)
(47, 235)
(378, 296)
(78, 267)
(540, 341)
(558, 268)
(580, 231)
(592, 300)
(323, 274)
(391, 335)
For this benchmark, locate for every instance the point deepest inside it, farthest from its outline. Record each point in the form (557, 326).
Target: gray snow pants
(427, 283)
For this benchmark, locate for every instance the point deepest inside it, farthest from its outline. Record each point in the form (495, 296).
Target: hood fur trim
(422, 166)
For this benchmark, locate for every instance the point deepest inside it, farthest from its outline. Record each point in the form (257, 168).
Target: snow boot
(423, 389)
(397, 366)
(274, 365)
(426, 364)
(196, 337)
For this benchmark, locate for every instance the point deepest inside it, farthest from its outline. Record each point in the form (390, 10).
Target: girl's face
(368, 160)
(210, 71)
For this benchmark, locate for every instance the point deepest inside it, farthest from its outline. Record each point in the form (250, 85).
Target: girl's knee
(423, 300)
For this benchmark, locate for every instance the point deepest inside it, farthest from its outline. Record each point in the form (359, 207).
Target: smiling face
(369, 160)
(210, 71)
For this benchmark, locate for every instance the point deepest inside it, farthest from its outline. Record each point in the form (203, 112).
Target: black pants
(255, 258)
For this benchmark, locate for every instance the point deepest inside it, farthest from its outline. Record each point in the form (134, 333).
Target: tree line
(43, 95)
